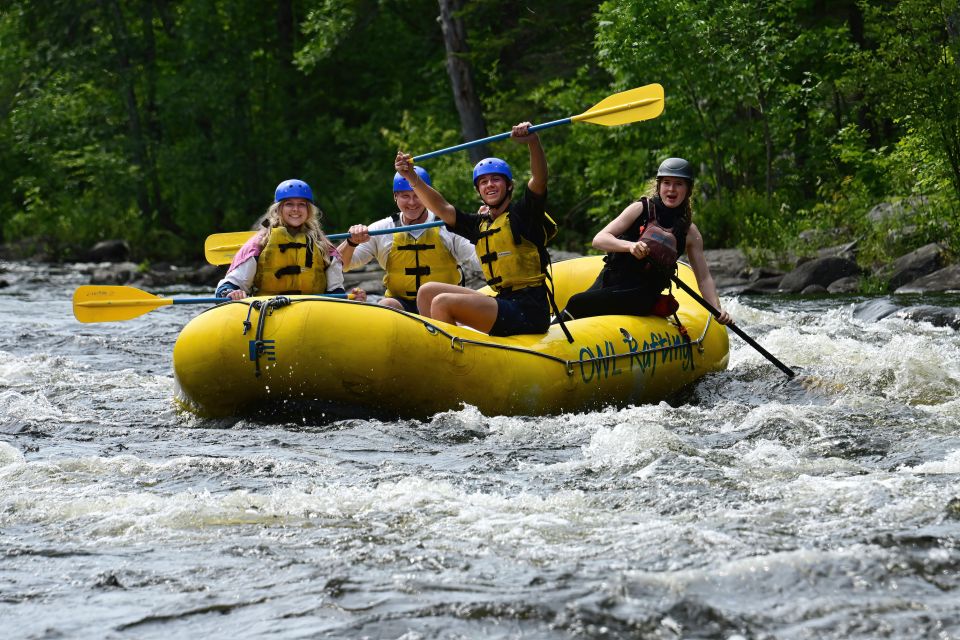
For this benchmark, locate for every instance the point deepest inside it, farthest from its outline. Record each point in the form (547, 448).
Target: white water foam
(949, 465)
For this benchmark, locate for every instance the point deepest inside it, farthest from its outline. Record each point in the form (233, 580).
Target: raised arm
(538, 159)
(427, 194)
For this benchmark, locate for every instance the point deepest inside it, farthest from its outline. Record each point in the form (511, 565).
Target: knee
(393, 303)
(426, 292)
(442, 303)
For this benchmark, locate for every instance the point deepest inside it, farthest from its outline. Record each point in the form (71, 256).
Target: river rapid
(752, 507)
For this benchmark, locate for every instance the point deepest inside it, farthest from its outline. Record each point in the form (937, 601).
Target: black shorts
(521, 312)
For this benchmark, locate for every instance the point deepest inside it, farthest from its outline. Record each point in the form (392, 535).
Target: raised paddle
(220, 248)
(92, 303)
(642, 103)
(737, 330)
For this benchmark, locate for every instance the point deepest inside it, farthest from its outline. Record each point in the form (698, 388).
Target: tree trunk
(286, 33)
(472, 125)
(152, 129)
(141, 151)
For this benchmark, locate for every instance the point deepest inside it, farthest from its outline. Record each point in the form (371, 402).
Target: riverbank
(927, 269)
(839, 270)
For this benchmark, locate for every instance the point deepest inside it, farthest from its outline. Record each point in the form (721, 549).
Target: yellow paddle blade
(642, 103)
(220, 248)
(93, 303)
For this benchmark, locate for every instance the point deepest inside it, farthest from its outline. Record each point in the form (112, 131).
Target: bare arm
(427, 194)
(607, 240)
(358, 234)
(538, 159)
(700, 269)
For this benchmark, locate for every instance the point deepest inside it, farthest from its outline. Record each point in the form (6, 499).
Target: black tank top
(623, 270)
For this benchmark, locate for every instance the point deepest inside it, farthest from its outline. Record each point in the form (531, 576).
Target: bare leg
(453, 304)
(431, 290)
(393, 303)
(472, 309)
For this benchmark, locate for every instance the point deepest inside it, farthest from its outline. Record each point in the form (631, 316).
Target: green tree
(913, 74)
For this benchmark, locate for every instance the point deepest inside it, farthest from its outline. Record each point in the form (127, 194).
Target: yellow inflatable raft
(353, 358)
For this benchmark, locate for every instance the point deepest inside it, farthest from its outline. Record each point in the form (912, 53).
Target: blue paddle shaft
(383, 232)
(499, 136)
(222, 300)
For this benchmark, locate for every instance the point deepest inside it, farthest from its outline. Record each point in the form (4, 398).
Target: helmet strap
(505, 199)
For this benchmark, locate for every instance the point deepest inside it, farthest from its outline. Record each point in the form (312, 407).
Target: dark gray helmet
(675, 168)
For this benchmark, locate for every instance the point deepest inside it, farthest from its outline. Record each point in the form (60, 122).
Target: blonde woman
(290, 255)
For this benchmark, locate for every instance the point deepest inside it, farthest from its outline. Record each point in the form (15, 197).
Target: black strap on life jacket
(552, 297)
(299, 245)
(289, 270)
(489, 232)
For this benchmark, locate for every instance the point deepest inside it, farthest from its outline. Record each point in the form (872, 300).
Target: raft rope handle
(246, 323)
(265, 309)
(699, 342)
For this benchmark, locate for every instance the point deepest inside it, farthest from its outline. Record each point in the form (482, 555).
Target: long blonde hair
(314, 232)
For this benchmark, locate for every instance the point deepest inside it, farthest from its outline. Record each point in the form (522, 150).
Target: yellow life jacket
(289, 264)
(509, 260)
(415, 261)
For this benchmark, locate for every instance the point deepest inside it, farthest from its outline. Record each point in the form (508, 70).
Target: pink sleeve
(250, 249)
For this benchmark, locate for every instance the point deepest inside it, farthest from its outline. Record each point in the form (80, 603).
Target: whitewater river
(753, 507)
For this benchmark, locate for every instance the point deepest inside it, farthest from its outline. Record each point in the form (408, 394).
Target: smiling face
(492, 188)
(294, 212)
(673, 190)
(409, 205)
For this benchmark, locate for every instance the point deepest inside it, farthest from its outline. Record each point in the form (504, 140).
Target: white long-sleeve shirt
(378, 247)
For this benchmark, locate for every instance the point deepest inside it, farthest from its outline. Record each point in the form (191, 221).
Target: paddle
(92, 303)
(737, 330)
(642, 103)
(220, 248)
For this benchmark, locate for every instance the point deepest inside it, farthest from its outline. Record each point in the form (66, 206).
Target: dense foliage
(164, 121)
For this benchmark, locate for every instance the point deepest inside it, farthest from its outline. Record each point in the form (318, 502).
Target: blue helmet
(293, 189)
(491, 165)
(401, 184)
